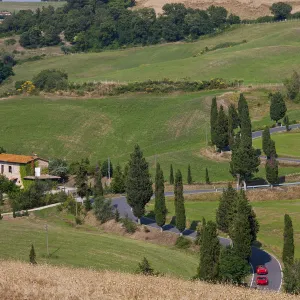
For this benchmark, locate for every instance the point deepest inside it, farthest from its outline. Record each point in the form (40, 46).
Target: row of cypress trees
(225, 133)
(189, 175)
(139, 191)
(236, 217)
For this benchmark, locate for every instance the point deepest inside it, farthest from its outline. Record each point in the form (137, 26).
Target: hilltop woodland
(94, 25)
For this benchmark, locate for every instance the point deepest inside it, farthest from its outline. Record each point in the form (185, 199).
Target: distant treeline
(92, 25)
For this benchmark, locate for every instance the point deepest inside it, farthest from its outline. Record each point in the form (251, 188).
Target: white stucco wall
(11, 175)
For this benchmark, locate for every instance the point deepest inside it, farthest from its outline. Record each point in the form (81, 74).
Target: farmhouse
(22, 167)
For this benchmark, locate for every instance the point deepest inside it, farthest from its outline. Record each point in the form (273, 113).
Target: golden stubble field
(246, 9)
(23, 281)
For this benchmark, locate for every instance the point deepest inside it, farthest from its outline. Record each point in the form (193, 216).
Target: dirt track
(246, 9)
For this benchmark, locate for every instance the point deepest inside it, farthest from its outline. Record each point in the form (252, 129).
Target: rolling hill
(269, 55)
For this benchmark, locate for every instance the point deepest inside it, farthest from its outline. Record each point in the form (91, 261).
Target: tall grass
(23, 281)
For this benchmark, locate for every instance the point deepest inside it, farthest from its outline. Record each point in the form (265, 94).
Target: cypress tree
(179, 202)
(222, 137)
(245, 122)
(277, 107)
(266, 137)
(213, 120)
(240, 232)
(171, 178)
(233, 123)
(87, 203)
(287, 123)
(118, 184)
(225, 211)
(32, 255)
(244, 160)
(207, 181)
(271, 168)
(209, 253)
(189, 175)
(160, 208)
(81, 180)
(98, 187)
(117, 215)
(288, 241)
(139, 185)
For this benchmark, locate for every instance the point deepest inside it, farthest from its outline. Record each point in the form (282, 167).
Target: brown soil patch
(211, 154)
(246, 9)
(143, 233)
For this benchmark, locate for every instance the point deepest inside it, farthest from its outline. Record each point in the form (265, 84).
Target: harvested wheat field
(23, 281)
(246, 9)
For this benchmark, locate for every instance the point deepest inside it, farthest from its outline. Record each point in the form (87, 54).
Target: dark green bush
(51, 79)
(183, 243)
(129, 225)
(18, 84)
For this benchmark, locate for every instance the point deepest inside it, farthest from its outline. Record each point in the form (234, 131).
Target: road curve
(258, 257)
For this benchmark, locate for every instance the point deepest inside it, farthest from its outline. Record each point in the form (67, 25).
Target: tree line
(92, 25)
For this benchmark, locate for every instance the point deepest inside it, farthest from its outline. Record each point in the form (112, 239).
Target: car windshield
(261, 278)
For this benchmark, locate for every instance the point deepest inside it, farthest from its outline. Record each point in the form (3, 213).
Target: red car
(261, 270)
(262, 280)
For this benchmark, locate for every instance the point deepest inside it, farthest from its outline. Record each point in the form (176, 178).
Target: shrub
(51, 79)
(103, 209)
(183, 243)
(10, 42)
(129, 225)
(18, 84)
(78, 221)
(145, 268)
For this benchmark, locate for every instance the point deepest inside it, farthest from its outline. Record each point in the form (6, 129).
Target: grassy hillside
(270, 215)
(287, 144)
(169, 128)
(48, 282)
(87, 247)
(270, 54)
(16, 6)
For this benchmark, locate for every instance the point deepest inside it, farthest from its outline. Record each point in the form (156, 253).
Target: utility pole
(46, 229)
(108, 162)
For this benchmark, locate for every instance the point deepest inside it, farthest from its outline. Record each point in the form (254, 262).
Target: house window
(9, 169)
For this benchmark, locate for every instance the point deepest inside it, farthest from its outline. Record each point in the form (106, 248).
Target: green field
(270, 55)
(88, 247)
(16, 6)
(270, 215)
(287, 144)
(169, 129)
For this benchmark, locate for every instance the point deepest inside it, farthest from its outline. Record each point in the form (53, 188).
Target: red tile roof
(14, 158)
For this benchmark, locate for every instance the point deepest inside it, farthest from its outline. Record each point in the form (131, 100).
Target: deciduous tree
(277, 107)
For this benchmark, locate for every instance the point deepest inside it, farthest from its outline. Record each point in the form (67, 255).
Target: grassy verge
(287, 144)
(88, 247)
(270, 215)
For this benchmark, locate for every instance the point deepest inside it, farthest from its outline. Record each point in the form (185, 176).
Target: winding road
(258, 257)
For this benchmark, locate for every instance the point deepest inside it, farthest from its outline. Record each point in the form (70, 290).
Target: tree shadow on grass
(257, 244)
(173, 221)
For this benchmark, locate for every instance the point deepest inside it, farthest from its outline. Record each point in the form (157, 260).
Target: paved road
(258, 134)
(259, 257)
